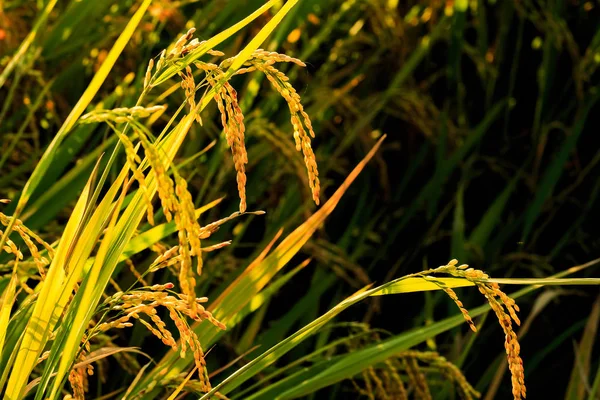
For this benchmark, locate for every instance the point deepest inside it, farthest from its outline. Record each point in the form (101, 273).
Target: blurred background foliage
(491, 111)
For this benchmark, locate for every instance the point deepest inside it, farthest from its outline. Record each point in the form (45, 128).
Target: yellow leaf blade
(6, 304)
(418, 284)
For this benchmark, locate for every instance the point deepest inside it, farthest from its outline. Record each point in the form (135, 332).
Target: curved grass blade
(6, 304)
(173, 395)
(583, 356)
(357, 361)
(84, 305)
(275, 352)
(257, 276)
(44, 319)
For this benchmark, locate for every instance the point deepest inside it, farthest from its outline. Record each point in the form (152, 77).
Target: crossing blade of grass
(264, 296)
(256, 277)
(416, 284)
(282, 347)
(81, 309)
(353, 363)
(317, 357)
(270, 356)
(44, 318)
(6, 302)
(274, 390)
(583, 356)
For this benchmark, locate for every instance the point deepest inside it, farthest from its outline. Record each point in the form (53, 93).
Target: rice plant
(185, 213)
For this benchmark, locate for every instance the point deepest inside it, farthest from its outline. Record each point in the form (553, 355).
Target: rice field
(269, 199)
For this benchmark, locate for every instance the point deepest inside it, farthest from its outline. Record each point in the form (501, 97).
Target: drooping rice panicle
(40, 261)
(416, 377)
(460, 306)
(134, 161)
(232, 120)
(76, 379)
(216, 246)
(187, 281)
(235, 139)
(505, 309)
(264, 56)
(148, 75)
(189, 222)
(396, 384)
(165, 185)
(441, 364)
(166, 259)
(189, 86)
(120, 115)
(11, 248)
(146, 301)
(300, 121)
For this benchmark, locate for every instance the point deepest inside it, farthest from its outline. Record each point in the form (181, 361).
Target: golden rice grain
(451, 371)
(11, 248)
(40, 261)
(165, 185)
(76, 381)
(148, 75)
(416, 377)
(505, 309)
(120, 115)
(133, 161)
(303, 143)
(187, 281)
(191, 226)
(232, 120)
(460, 306)
(398, 390)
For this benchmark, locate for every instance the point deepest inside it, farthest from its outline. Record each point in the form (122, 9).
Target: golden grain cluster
(411, 371)
(505, 309)
(146, 301)
(41, 259)
(144, 157)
